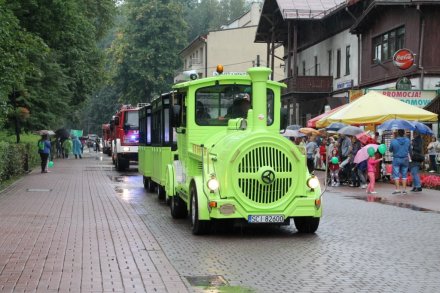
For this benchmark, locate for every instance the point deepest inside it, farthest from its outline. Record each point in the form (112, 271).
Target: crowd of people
(337, 153)
(61, 148)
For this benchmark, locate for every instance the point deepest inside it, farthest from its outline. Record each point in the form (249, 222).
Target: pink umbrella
(362, 154)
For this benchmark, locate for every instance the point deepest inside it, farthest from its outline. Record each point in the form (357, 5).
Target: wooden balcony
(308, 84)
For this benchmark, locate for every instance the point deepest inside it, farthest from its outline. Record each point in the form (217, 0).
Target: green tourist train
(212, 149)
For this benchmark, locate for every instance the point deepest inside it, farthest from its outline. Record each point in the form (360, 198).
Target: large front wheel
(199, 227)
(306, 224)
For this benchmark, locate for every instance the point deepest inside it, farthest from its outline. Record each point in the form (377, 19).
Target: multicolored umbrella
(362, 154)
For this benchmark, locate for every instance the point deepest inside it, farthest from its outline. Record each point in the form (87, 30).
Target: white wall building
(232, 46)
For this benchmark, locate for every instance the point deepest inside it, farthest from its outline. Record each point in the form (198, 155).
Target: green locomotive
(213, 148)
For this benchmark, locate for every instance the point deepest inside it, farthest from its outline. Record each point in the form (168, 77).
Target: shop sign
(403, 59)
(403, 84)
(414, 98)
(344, 84)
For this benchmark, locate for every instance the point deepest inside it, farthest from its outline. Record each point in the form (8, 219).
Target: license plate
(266, 219)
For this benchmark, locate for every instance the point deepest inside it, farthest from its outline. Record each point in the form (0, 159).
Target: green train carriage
(231, 162)
(157, 143)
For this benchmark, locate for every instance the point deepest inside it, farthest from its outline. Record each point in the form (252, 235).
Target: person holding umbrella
(417, 157)
(371, 169)
(400, 147)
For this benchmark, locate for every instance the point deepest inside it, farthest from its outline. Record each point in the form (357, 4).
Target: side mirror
(283, 119)
(112, 125)
(176, 116)
(117, 121)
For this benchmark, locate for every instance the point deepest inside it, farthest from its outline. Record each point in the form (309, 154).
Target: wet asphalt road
(359, 247)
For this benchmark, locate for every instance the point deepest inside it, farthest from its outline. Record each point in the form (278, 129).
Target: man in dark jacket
(417, 159)
(400, 147)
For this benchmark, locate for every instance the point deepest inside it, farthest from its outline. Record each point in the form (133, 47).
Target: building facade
(232, 46)
(338, 50)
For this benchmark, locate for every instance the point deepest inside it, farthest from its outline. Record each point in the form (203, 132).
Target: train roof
(231, 77)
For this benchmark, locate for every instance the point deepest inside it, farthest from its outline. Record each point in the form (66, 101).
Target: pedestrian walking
(67, 147)
(59, 148)
(400, 147)
(44, 151)
(333, 166)
(356, 146)
(371, 171)
(97, 142)
(361, 169)
(76, 147)
(432, 152)
(311, 148)
(417, 158)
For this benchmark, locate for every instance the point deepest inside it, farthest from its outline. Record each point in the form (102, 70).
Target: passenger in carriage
(239, 107)
(202, 114)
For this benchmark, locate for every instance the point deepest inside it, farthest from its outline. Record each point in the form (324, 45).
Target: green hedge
(17, 159)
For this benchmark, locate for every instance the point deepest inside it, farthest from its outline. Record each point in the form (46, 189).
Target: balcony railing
(308, 84)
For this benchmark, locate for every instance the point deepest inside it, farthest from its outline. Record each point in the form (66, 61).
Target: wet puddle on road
(396, 204)
(215, 284)
(123, 178)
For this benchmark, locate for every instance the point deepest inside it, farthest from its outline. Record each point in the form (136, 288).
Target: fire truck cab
(125, 136)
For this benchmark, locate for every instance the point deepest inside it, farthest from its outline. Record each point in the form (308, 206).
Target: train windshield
(215, 105)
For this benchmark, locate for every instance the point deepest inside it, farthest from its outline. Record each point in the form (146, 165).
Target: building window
(347, 60)
(316, 65)
(329, 52)
(201, 55)
(304, 68)
(387, 44)
(338, 63)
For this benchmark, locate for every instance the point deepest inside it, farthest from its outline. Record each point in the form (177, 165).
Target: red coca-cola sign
(403, 59)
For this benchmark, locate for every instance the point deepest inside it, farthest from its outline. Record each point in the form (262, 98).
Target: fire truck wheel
(199, 227)
(160, 192)
(122, 164)
(306, 224)
(178, 208)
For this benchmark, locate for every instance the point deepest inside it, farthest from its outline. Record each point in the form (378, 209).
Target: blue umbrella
(395, 124)
(294, 127)
(421, 128)
(335, 126)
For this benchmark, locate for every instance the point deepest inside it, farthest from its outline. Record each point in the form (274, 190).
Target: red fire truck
(125, 136)
(106, 139)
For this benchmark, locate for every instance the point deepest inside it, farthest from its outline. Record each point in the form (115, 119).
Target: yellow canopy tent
(375, 108)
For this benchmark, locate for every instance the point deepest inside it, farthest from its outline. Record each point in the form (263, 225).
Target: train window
(215, 105)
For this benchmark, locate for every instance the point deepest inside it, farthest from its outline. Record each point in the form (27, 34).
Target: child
(333, 166)
(371, 169)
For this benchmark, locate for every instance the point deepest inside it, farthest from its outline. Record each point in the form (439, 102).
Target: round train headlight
(213, 184)
(313, 182)
(126, 149)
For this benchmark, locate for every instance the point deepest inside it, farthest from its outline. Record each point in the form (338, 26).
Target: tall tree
(66, 66)
(206, 15)
(146, 50)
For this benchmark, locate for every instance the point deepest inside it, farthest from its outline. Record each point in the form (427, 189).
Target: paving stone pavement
(360, 246)
(67, 231)
(87, 228)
